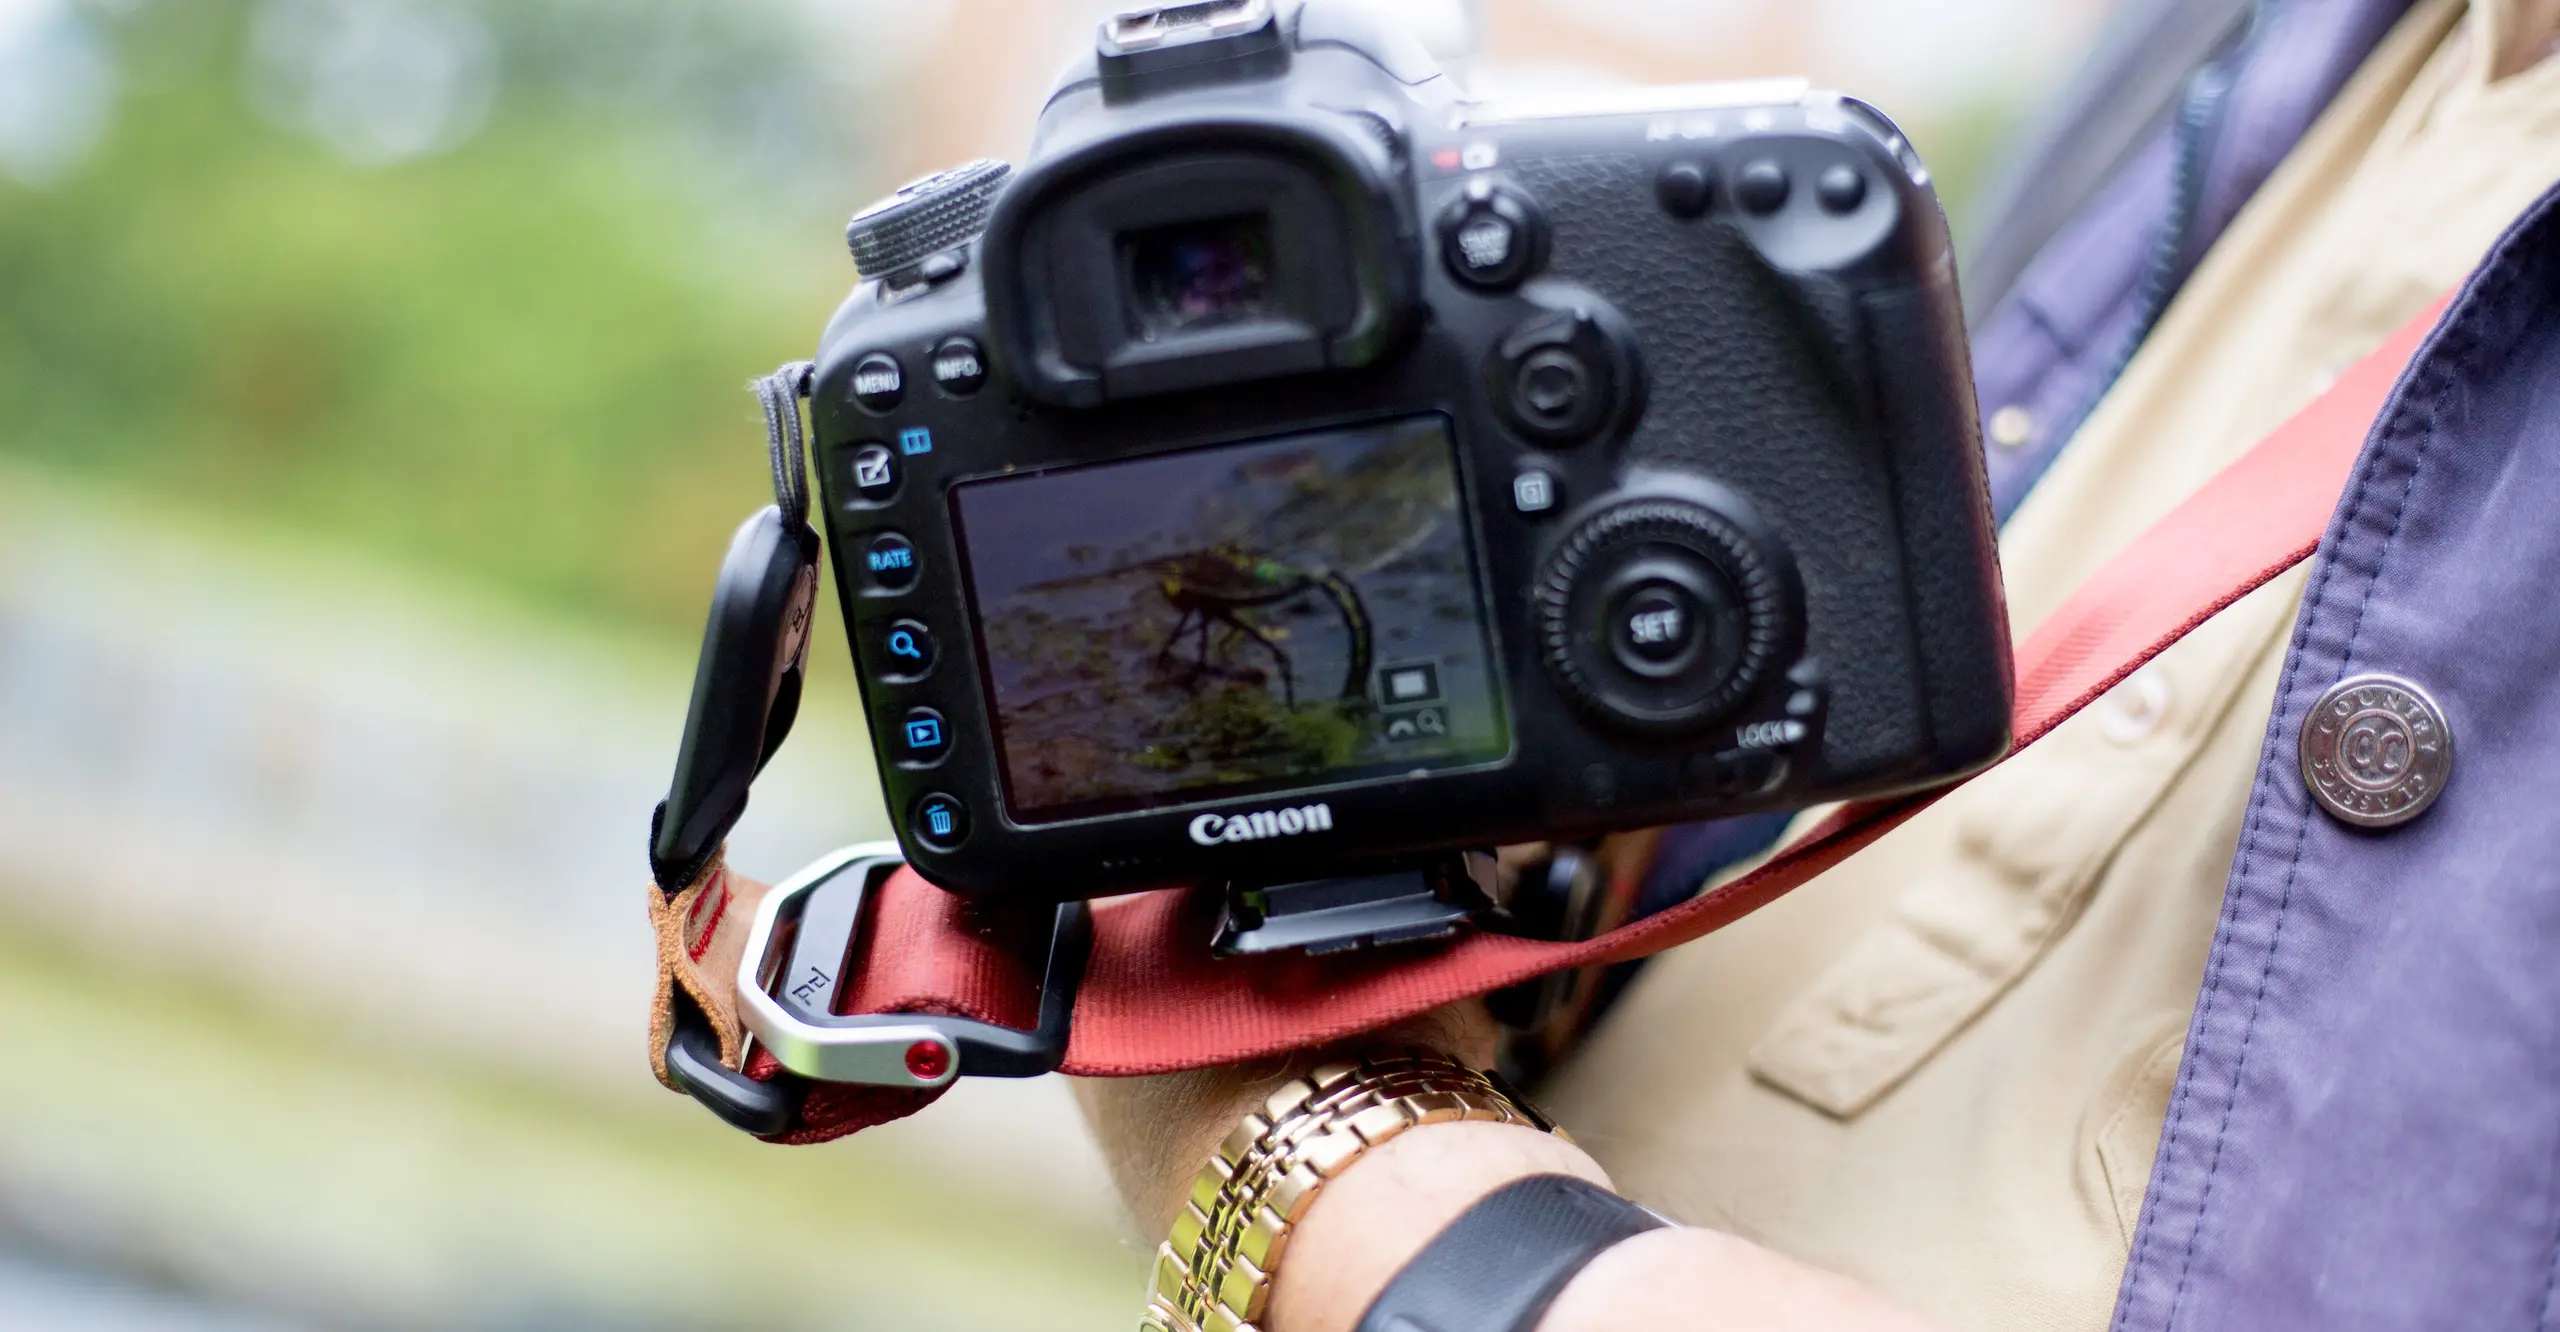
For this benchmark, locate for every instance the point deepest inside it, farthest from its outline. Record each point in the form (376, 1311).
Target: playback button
(923, 738)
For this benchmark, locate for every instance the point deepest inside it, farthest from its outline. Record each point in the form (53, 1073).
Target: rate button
(891, 562)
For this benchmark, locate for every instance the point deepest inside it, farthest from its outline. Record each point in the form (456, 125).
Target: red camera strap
(1155, 1000)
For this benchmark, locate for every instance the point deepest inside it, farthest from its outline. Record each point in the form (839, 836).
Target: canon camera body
(1295, 466)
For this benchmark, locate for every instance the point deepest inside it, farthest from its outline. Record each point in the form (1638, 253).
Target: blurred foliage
(1963, 145)
(523, 360)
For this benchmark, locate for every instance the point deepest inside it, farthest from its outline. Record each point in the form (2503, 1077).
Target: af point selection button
(939, 821)
(905, 651)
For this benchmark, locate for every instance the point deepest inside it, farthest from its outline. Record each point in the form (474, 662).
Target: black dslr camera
(1295, 468)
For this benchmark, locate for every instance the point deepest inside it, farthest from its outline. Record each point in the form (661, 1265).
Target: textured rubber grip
(1504, 1260)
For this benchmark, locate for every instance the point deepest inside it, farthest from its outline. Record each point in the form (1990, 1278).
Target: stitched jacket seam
(2445, 366)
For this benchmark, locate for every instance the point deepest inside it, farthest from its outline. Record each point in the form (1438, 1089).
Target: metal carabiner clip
(788, 1002)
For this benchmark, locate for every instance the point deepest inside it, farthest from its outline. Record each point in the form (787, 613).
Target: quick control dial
(1661, 615)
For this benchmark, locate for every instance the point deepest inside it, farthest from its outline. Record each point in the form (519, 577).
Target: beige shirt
(1942, 1068)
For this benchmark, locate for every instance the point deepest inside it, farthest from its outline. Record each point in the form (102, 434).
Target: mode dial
(925, 217)
(1662, 615)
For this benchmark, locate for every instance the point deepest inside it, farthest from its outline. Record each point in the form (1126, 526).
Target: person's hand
(1372, 1219)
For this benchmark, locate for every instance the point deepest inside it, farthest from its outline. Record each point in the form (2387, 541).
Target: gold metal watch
(1214, 1273)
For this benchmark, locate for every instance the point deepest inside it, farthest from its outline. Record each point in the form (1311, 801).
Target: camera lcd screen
(1199, 273)
(1222, 621)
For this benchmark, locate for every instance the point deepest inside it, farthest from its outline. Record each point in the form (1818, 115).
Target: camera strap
(1154, 999)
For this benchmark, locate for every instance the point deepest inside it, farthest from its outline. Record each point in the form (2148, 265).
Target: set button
(1655, 628)
(891, 562)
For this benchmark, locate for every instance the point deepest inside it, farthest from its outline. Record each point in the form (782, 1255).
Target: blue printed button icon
(906, 651)
(941, 822)
(923, 736)
(891, 561)
(914, 440)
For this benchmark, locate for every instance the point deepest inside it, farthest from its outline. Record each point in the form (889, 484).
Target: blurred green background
(372, 417)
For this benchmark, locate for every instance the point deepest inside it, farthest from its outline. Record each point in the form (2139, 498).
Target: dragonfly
(1347, 523)
(1207, 587)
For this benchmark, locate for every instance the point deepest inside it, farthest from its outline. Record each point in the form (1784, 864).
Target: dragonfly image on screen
(1229, 630)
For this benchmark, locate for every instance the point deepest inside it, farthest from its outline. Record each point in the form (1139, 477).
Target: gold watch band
(1214, 1273)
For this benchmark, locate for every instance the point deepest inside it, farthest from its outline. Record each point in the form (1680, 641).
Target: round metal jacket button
(2376, 751)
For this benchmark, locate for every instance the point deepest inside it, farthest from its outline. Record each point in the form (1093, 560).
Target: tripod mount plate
(1405, 903)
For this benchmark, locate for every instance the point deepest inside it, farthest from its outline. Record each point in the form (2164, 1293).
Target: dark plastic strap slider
(764, 1109)
(806, 934)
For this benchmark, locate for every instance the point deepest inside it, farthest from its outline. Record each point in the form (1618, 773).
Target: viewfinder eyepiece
(1199, 274)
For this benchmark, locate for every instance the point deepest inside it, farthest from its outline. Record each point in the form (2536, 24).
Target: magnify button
(905, 650)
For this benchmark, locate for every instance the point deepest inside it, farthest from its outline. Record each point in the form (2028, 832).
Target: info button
(1654, 628)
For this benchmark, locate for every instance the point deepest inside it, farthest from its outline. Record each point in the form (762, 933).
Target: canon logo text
(1211, 829)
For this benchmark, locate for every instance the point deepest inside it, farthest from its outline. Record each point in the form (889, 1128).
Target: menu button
(878, 384)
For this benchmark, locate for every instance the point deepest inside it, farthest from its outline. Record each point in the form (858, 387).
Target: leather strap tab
(1503, 1261)
(702, 931)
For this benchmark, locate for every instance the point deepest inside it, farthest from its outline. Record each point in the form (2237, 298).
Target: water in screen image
(1218, 620)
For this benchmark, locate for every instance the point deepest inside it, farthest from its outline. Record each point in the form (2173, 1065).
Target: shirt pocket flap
(2031, 839)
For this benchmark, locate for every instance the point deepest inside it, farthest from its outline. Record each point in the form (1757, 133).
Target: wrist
(1222, 1266)
(1373, 1219)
